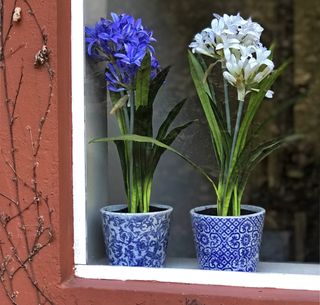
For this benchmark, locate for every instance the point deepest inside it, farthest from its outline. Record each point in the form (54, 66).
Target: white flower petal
(203, 51)
(269, 94)
(219, 46)
(269, 64)
(258, 78)
(229, 78)
(226, 53)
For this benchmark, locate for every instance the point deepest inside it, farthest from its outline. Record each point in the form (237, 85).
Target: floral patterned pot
(136, 239)
(228, 243)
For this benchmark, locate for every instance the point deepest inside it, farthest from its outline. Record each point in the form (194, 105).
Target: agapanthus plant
(133, 78)
(234, 43)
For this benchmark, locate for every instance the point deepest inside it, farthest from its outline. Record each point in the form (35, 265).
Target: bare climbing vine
(25, 213)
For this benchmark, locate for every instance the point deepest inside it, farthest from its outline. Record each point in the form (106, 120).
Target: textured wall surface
(29, 160)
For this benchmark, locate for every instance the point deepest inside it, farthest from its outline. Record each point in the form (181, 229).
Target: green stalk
(132, 202)
(219, 197)
(127, 153)
(236, 203)
(226, 104)
(123, 124)
(126, 121)
(236, 131)
(146, 194)
(234, 141)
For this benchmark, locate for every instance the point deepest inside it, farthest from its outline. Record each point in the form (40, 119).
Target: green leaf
(168, 140)
(114, 96)
(138, 174)
(205, 69)
(202, 89)
(279, 109)
(121, 113)
(142, 139)
(143, 81)
(121, 148)
(172, 135)
(254, 103)
(266, 148)
(238, 165)
(119, 104)
(170, 118)
(204, 66)
(156, 83)
(143, 121)
(272, 48)
(260, 153)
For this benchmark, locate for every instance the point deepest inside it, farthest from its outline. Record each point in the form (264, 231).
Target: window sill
(269, 275)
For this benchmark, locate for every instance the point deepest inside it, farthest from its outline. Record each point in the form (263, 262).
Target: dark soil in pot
(213, 212)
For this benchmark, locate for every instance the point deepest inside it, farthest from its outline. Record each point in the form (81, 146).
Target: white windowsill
(269, 275)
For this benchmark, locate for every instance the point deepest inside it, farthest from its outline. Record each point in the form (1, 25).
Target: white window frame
(269, 275)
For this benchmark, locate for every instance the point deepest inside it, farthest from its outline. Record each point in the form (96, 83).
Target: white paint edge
(274, 279)
(78, 132)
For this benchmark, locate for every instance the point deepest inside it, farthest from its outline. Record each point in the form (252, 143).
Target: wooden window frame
(76, 269)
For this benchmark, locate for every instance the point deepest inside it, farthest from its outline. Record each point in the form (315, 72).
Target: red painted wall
(51, 269)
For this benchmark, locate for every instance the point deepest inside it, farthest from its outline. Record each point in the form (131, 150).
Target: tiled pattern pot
(228, 243)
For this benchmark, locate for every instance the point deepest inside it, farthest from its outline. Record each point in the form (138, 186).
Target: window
(93, 165)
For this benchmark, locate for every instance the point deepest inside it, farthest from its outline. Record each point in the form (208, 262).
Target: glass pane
(292, 230)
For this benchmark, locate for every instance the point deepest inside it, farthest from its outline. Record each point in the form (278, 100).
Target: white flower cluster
(236, 43)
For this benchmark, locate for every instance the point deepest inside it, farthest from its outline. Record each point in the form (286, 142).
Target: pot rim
(113, 208)
(252, 208)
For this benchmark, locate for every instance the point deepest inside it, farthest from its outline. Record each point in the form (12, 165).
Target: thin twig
(31, 12)
(7, 197)
(42, 236)
(7, 36)
(14, 51)
(17, 93)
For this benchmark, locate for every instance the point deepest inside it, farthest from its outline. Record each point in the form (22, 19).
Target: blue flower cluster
(122, 43)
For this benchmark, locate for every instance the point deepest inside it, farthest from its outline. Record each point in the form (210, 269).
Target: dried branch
(7, 197)
(38, 236)
(7, 36)
(17, 93)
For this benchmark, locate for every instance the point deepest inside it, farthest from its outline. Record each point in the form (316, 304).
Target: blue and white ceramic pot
(228, 242)
(136, 239)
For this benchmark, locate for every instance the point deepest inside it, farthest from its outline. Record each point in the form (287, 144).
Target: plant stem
(226, 104)
(132, 204)
(146, 194)
(236, 130)
(236, 204)
(227, 195)
(220, 198)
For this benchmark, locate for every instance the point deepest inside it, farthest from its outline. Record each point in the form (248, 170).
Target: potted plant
(227, 235)
(135, 234)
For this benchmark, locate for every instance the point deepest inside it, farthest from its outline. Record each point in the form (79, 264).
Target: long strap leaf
(157, 82)
(170, 118)
(124, 164)
(143, 81)
(142, 139)
(260, 153)
(234, 170)
(254, 103)
(167, 140)
(202, 89)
